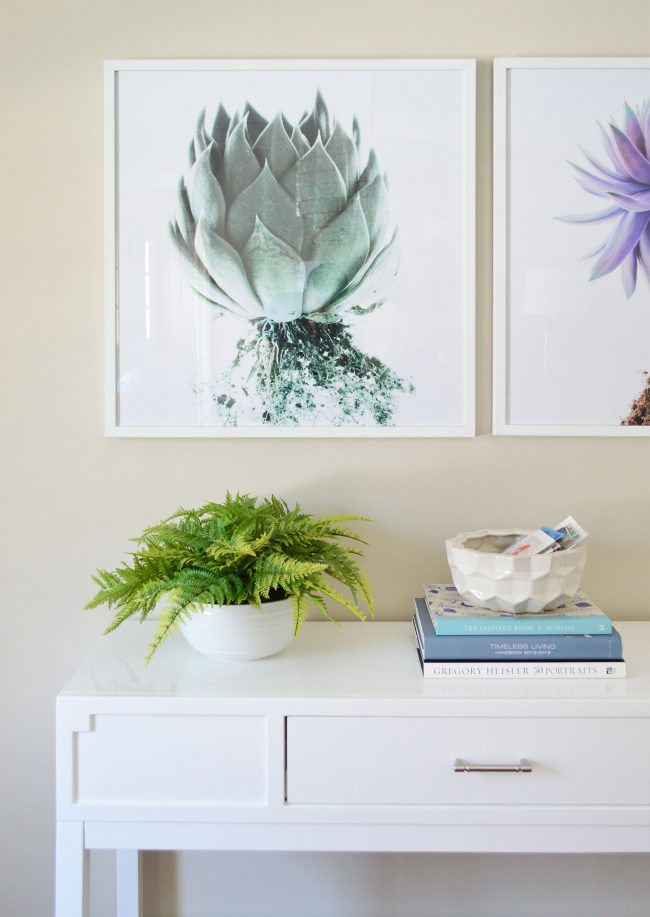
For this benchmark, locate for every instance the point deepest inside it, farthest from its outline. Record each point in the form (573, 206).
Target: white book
(473, 671)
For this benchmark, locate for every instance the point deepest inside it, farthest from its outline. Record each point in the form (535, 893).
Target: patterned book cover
(451, 614)
(512, 646)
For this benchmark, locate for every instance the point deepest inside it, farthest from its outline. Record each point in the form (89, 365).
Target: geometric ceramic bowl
(486, 577)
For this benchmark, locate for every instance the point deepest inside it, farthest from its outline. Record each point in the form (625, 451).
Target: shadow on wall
(391, 885)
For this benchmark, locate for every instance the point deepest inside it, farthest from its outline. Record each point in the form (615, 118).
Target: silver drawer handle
(523, 767)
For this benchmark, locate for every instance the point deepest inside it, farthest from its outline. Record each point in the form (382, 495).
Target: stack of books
(455, 639)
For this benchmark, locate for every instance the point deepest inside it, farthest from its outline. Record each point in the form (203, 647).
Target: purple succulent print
(624, 185)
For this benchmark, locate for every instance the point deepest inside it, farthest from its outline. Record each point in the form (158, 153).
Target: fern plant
(241, 551)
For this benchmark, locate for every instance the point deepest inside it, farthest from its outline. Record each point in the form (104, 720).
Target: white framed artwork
(290, 248)
(572, 246)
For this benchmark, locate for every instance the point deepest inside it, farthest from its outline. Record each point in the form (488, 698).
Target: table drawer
(379, 760)
(172, 760)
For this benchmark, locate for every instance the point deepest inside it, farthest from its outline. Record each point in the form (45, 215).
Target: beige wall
(70, 498)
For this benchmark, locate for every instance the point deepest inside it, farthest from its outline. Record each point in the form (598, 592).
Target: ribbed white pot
(240, 631)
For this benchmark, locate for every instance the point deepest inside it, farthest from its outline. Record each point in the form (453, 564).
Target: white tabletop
(377, 659)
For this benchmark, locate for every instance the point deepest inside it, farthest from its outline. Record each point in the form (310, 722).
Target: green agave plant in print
(283, 226)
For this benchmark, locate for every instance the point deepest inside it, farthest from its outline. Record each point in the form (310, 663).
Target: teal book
(452, 615)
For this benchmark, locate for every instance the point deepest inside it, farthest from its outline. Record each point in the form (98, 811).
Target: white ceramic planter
(240, 631)
(486, 577)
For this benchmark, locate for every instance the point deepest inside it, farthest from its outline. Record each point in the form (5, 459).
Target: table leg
(129, 883)
(71, 870)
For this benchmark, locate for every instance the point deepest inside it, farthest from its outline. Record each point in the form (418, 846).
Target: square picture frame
(571, 247)
(307, 268)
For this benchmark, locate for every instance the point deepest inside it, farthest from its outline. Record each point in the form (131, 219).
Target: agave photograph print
(291, 248)
(572, 246)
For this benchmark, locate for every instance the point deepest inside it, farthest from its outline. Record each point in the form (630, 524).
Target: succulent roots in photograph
(307, 374)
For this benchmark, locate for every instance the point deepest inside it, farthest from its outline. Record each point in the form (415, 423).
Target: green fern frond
(337, 597)
(299, 611)
(168, 623)
(321, 606)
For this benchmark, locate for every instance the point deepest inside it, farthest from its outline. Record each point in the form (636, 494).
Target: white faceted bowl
(240, 632)
(485, 576)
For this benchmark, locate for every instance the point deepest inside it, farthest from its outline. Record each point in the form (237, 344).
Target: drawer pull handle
(466, 767)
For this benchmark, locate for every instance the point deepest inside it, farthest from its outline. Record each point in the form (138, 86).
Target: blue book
(485, 647)
(452, 615)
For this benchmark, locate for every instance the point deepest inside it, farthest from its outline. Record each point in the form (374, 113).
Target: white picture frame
(147, 124)
(568, 353)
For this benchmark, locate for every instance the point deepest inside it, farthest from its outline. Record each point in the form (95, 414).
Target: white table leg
(71, 870)
(129, 883)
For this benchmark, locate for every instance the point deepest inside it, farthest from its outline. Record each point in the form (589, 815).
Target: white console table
(339, 744)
